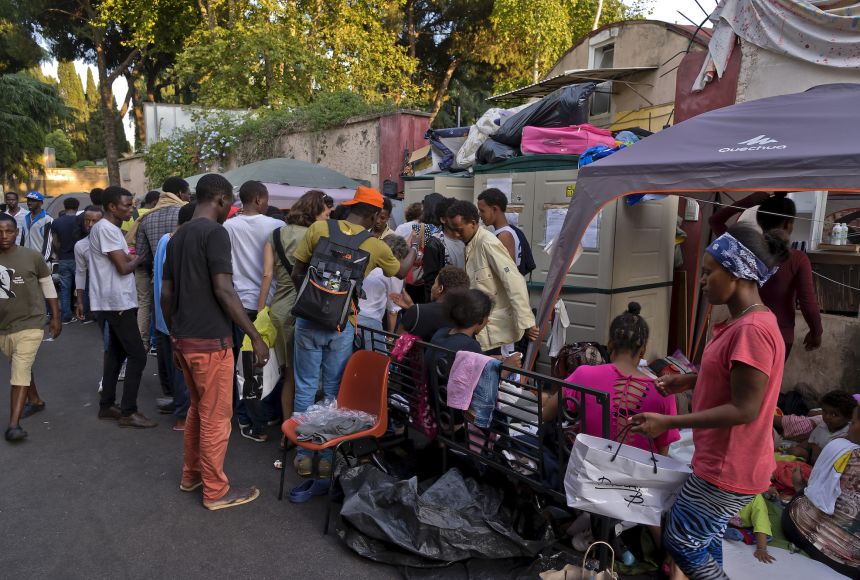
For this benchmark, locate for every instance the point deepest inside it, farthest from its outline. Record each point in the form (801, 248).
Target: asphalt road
(83, 498)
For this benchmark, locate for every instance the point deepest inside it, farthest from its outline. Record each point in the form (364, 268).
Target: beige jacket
(492, 271)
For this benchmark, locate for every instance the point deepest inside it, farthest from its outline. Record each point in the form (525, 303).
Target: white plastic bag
(271, 375)
(632, 485)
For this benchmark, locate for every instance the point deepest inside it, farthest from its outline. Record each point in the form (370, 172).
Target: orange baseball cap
(366, 195)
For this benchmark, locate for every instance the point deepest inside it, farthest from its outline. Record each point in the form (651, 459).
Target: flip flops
(31, 409)
(309, 489)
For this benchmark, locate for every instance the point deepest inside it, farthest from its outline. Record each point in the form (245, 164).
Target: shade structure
(284, 196)
(286, 171)
(797, 142)
(568, 77)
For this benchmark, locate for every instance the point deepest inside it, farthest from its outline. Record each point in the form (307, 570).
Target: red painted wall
(399, 132)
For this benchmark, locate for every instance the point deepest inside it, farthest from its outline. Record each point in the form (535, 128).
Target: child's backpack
(332, 284)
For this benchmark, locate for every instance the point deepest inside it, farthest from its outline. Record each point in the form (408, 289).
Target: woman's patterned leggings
(695, 527)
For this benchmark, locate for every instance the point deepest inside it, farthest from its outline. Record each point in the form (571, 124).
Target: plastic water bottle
(334, 283)
(836, 234)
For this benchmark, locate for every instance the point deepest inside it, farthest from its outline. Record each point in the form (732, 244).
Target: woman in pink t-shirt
(733, 402)
(631, 391)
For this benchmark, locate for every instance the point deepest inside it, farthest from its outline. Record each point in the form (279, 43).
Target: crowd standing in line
(185, 281)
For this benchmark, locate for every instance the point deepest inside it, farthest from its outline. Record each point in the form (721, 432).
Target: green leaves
(64, 152)
(538, 32)
(283, 54)
(27, 111)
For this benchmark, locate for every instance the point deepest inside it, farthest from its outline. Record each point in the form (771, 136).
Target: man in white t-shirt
(92, 214)
(492, 204)
(248, 233)
(113, 296)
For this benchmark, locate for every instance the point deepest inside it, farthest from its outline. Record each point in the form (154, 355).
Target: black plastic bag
(492, 151)
(561, 108)
(454, 519)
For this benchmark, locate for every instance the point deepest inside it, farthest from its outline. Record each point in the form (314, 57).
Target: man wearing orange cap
(321, 354)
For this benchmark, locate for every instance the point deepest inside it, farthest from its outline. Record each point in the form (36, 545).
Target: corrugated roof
(568, 77)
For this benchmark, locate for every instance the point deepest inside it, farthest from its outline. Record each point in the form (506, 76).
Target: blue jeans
(320, 358)
(66, 271)
(173, 374)
(367, 336)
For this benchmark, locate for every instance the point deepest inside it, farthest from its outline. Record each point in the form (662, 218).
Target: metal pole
(458, 115)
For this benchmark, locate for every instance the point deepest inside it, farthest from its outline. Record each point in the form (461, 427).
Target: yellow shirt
(380, 253)
(754, 515)
(126, 225)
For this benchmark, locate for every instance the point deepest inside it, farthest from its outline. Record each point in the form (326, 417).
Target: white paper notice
(591, 239)
(554, 221)
(505, 184)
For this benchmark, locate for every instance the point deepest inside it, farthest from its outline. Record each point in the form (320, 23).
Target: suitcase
(571, 140)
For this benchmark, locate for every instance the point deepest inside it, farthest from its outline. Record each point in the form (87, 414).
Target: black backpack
(527, 259)
(332, 284)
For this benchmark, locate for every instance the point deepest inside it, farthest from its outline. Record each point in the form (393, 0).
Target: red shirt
(739, 458)
(792, 284)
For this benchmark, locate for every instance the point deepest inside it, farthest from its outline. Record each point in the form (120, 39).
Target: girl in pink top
(631, 391)
(733, 403)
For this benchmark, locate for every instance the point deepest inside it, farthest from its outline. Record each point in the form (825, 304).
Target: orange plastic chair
(363, 387)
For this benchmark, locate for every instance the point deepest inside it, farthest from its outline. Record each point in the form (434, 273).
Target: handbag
(571, 572)
(619, 481)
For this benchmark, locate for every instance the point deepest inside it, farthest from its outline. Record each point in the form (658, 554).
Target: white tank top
(517, 252)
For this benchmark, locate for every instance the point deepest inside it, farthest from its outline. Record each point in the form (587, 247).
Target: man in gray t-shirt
(113, 297)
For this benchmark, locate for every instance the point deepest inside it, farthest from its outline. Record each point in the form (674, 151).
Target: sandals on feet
(31, 409)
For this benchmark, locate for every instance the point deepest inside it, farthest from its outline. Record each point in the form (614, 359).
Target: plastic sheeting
(566, 106)
(485, 127)
(453, 520)
(491, 151)
(445, 143)
(797, 28)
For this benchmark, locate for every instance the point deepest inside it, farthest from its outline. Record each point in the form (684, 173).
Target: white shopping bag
(271, 374)
(627, 484)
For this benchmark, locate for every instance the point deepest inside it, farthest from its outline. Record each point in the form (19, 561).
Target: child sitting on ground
(836, 410)
(753, 516)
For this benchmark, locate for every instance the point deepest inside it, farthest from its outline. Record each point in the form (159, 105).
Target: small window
(601, 100)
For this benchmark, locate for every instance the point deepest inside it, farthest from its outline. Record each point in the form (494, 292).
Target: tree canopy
(271, 56)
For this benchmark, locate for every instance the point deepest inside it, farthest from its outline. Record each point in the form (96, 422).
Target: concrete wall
(56, 181)
(767, 74)
(835, 365)
(132, 175)
(637, 43)
(352, 150)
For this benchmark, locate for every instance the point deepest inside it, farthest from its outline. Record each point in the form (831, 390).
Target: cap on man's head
(366, 195)
(36, 195)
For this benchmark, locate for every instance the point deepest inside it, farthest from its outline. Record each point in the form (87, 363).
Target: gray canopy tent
(798, 142)
(288, 172)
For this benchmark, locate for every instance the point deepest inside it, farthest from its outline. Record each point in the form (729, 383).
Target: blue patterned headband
(739, 260)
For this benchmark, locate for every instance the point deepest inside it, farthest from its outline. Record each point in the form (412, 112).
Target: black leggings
(796, 537)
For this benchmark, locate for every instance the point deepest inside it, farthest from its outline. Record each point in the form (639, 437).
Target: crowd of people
(187, 280)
